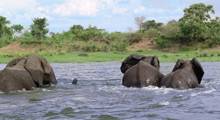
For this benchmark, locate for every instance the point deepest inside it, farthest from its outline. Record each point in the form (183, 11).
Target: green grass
(82, 57)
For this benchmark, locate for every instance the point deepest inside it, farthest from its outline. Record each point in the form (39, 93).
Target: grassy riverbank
(81, 57)
(197, 31)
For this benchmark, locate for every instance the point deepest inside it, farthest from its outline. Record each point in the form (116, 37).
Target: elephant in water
(26, 73)
(185, 74)
(141, 71)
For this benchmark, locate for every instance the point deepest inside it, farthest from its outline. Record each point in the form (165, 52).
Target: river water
(99, 95)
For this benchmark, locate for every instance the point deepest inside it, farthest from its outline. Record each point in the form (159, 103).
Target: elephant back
(141, 75)
(15, 61)
(15, 78)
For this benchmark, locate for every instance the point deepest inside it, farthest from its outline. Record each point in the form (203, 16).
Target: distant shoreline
(83, 57)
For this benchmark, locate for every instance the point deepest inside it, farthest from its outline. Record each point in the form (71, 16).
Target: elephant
(185, 74)
(141, 71)
(26, 73)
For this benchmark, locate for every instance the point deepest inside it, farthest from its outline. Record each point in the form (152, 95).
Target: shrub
(4, 42)
(162, 42)
(152, 33)
(134, 37)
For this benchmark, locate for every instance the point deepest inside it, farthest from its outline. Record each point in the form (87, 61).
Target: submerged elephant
(141, 71)
(134, 59)
(185, 74)
(26, 73)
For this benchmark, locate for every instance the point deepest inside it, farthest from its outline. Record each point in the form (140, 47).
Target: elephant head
(134, 59)
(40, 70)
(192, 65)
(185, 74)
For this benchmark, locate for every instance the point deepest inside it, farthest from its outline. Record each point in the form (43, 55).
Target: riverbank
(82, 57)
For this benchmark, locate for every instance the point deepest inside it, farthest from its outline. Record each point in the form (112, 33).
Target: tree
(214, 31)
(77, 30)
(169, 34)
(39, 28)
(151, 24)
(139, 21)
(17, 28)
(194, 23)
(170, 31)
(95, 34)
(172, 22)
(4, 29)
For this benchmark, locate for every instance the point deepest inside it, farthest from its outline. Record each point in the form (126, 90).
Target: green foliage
(94, 34)
(152, 33)
(39, 28)
(26, 36)
(5, 30)
(169, 34)
(194, 23)
(76, 30)
(151, 24)
(119, 41)
(162, 42)
(171, 31)
(196, 27)
(5, 41)
(90, 39)
(17, 28)
(134, 37)
(214, 32)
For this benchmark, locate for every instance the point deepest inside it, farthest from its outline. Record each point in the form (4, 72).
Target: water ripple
(100, 95)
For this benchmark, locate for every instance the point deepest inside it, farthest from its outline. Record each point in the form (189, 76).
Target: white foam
(151, 88)
(159, 90)
(164, 103)
(80, 98)
(113, 88)
(45, 90)
(203, 92)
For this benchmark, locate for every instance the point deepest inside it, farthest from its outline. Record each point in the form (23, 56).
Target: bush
(121, 46)
(134, 37)
(152, 33)
(169, 34)
(5, 40)
(162, 42)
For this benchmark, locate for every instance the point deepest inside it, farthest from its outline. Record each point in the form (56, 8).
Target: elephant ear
(45, 66)
(178, 65)
(155, 62)
(33, 66)
(123, 67)
(197, 68)
(130, 61)
(49, 76)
